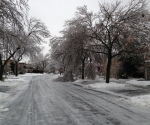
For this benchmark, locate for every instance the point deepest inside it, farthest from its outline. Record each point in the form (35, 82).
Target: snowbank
(143, 100)
(139, 83)
(20, 79)
(111, 85)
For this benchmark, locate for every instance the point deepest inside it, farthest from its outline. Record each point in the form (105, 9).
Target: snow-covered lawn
(19, 82)
(111, 85)
(14, 87)
(143, 100)
(116, 85)
(140, 83)
(15, 82)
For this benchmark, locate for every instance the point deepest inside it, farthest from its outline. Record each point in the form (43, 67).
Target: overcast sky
(54, 12)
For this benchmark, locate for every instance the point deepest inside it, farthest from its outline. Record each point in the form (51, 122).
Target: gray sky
(54, 12)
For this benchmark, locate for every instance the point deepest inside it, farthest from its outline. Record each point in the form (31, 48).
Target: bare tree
(30, 40)
(11, 17)
(72, 50)
(115, 26)
(25, 39)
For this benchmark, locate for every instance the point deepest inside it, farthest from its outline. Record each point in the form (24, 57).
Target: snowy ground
(38, 100)
(116, 86)
(12, 87)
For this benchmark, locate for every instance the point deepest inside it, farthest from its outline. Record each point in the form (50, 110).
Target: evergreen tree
(129, 64)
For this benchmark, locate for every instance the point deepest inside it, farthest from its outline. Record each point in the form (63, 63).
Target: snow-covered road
(45, 102)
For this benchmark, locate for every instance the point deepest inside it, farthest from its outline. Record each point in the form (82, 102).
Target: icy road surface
(45, 102)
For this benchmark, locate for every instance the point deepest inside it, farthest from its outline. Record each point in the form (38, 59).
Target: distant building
(21, 67)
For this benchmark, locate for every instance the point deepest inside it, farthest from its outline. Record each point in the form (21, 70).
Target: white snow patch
(106, 86)
(15, 81)
(135, 82)
(143, 100)
(3, 109)
(79, 80)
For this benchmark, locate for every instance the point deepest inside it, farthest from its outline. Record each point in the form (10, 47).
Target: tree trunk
(1, 68)
(1, 74)
(83, 66)
(16, 68)
(108, 67)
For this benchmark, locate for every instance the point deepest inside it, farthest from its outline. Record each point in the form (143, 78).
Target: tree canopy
(18, 34)
(114, 30)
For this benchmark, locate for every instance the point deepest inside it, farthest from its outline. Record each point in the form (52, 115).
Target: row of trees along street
(116, 30)
(19, 35)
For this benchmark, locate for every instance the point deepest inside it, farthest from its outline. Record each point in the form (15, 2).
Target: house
(101, 67)
(8, 65)
(21, 67)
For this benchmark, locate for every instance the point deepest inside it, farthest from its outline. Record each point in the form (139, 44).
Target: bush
(129, 65)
